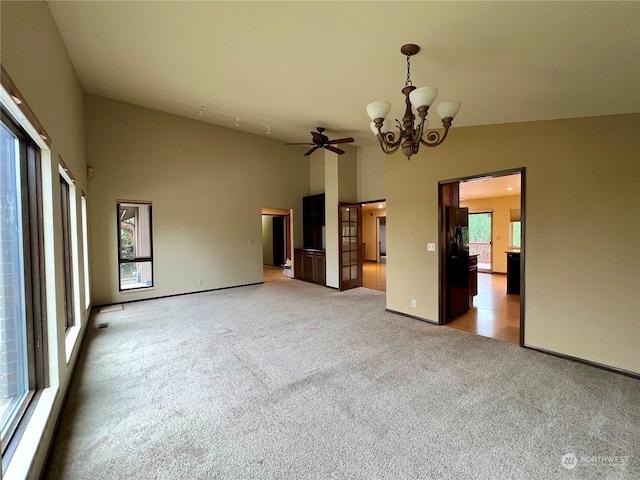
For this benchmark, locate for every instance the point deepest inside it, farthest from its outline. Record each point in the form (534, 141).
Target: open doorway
(490, 302)
(276, 243)
(374, 248)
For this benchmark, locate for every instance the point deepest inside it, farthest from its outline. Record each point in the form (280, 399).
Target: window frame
(33, 271)
(85, 249)
(135, 259)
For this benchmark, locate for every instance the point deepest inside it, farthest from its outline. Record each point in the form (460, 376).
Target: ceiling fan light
(386, 127)
(378, 109)
(448, 109)
(423, 96)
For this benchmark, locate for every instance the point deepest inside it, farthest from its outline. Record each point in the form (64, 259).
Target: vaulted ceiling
(293, 66)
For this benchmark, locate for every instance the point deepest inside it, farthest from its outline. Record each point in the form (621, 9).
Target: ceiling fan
(322, 141)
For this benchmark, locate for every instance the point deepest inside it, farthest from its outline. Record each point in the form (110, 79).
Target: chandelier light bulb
(423, 96)
(448, 109)
(378, 109)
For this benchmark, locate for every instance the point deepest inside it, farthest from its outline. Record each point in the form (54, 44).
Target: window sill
(25, 454)
(137, 290)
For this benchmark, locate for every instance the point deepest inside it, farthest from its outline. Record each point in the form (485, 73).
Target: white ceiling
(490, 187)
(297, 65)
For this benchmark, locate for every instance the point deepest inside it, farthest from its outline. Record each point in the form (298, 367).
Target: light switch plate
(431, 247)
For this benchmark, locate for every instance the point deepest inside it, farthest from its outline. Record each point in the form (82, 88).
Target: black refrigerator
(457, 260)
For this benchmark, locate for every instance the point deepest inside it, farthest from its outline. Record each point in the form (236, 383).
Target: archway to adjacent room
(490, 302)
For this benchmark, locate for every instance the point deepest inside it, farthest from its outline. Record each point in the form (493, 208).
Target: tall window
(67, 262)
(85, 251)
(22, 323)
(135, 252)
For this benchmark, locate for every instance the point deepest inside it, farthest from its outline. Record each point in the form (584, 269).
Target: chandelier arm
(389, 139)
(419, 130)
(434, 138)
(388, 145)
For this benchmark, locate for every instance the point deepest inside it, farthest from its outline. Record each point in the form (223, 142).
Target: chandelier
(411, 135)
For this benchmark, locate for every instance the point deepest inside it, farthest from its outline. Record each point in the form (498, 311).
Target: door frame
(448, 195)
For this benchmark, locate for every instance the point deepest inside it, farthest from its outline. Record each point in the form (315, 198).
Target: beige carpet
(289, 380)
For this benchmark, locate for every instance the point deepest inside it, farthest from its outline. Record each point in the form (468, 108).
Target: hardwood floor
(374, 276)
(493, 314)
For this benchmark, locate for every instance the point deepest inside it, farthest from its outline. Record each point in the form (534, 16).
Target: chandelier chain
(408, 83)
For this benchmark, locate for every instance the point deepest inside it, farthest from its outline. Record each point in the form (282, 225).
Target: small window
(135, 248)
(514, 235)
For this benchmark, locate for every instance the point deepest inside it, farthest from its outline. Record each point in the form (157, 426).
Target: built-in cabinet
(313, 221)
(310, 265)
(310, 262)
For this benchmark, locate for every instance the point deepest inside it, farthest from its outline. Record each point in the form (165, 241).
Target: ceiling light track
(202, 109)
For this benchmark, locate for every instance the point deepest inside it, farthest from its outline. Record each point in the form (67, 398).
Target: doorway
(495, 307)
(374, 268)
(381, 235)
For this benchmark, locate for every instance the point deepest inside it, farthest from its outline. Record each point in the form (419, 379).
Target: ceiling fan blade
(317, 137)
(341, 140)
(299, 143)
(311, 151)
(334, 149)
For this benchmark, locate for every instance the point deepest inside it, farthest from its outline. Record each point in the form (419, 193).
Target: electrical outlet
(431, 247)
(200, 283)
(413, 303)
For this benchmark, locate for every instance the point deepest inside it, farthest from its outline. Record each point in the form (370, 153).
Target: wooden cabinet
(310, 265)
(473, 275)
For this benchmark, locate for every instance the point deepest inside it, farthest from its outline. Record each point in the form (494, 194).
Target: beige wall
(207, 184)
(581, 228)
(35, 57)
(500, 208)
(371, 174)
(369, 234)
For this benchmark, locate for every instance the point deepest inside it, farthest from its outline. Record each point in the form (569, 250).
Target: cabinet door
(321, 269)
(298, 265)
(309, 260)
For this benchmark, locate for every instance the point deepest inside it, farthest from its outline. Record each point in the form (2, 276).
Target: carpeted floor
(289, 380)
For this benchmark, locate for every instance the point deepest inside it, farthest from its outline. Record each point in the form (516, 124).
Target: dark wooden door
(350, 258)
(448, 197)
